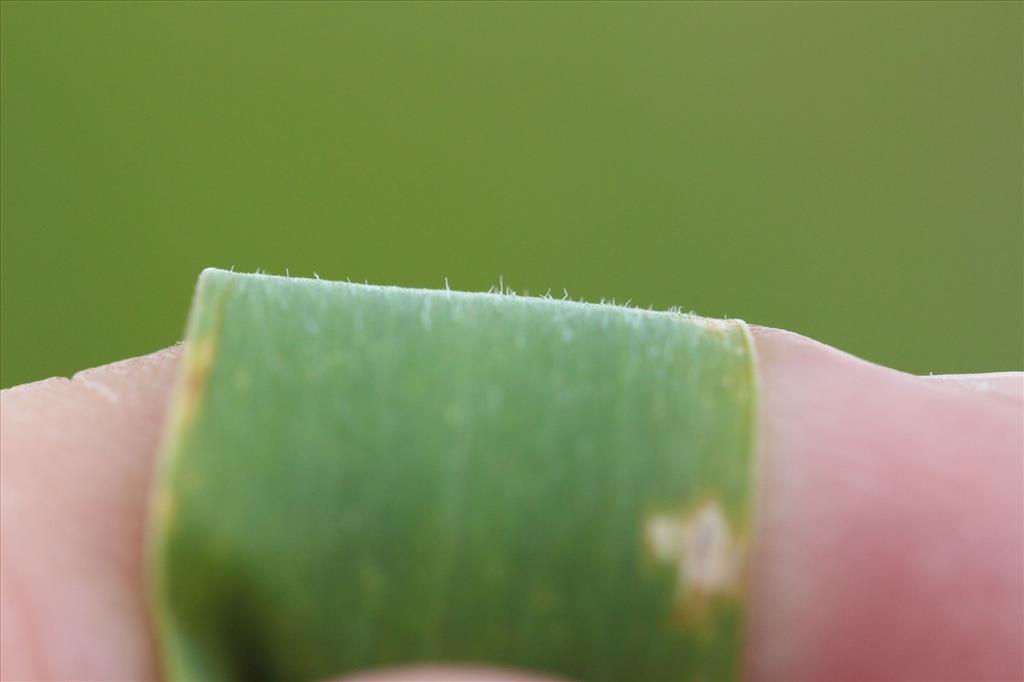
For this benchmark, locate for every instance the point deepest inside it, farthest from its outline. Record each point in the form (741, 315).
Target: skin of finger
(890, 521)
(76, 461)
(1008, 384)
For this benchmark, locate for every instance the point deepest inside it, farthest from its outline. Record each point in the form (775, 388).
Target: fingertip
(890, 523)
(76, 457)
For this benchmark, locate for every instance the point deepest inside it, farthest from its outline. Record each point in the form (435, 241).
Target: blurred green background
(852, 172)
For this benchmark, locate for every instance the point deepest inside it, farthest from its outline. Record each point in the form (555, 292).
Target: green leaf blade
(359, 476)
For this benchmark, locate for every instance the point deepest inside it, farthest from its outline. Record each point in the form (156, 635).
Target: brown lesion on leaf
(163, 508)
(201, 357)
(707, 554)
(197, 371)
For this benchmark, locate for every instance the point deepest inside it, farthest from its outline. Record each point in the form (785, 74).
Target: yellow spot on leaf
(199, 362)
(164, 507)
